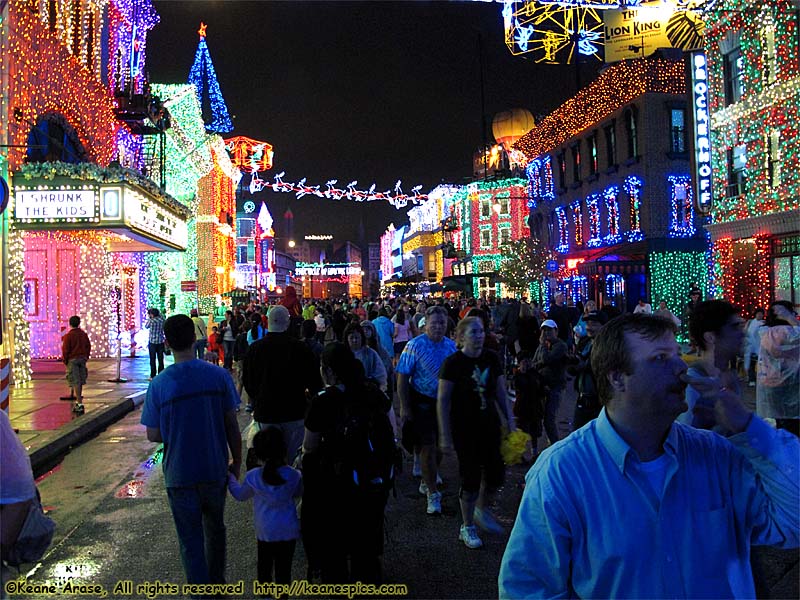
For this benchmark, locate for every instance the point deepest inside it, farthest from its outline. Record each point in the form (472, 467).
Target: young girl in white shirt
(275, 487)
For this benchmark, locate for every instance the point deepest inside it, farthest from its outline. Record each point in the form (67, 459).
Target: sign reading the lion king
(640, 32)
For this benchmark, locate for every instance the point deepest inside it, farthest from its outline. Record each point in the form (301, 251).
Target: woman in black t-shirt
(472, 405)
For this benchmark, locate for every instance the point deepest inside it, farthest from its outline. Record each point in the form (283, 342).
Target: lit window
(677, 132)
(505, 235)
(774, 157)
(486, 208)
(593, 153)
(770, 63)
(486, 238)
(737, 171)
(733, 74)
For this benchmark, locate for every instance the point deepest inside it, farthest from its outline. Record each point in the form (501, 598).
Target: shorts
(479, 457)
(399, 347)
(424, 419)
(76, 372)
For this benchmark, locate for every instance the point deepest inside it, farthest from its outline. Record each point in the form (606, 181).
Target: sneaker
(486, 521)
(78, 408)
(423, 488)
(435, 503)
(751, 384)
(248, 408)
(469, 536)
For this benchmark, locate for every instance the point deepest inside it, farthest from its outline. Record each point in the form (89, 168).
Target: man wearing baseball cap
(549, 360)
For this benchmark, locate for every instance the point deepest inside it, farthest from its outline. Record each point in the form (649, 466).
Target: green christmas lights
(672, 275)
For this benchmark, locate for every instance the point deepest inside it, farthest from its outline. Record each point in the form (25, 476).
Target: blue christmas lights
(593, 208)
(563, 230)
(633, 188)
(682, 222)
(204, 78)
(612, 210)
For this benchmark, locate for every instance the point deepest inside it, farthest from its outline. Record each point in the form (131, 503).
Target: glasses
(436, 310)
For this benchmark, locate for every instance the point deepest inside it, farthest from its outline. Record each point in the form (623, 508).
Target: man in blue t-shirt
(191, 408)
(417, 385)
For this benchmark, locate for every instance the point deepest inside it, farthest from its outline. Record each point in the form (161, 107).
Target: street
(114, 524)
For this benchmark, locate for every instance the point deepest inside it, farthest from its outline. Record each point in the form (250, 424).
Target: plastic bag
(513, 446)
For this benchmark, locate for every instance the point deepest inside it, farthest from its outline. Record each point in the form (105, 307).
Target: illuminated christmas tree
(204, 79)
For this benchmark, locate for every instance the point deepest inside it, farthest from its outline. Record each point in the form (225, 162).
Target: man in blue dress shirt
(635, 505)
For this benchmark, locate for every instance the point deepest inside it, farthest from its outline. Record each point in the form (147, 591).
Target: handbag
(35, 536)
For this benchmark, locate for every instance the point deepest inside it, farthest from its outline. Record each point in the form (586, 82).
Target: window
(562, 170)
(505, 206)
(733, 74)
(505, 235)
(611, 144)
(677, 131)
(576, 162)
(593, 154)
(486, 238)
(768, 43)
(774, 158)
(486, 208)
(737, 171)
(633, 134)
(432, 263)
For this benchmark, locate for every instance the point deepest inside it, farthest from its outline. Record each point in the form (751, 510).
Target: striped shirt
(421, 361)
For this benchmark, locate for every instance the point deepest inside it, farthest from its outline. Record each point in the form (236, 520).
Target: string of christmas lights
(44, 77)
(397, 198)
(618, 85)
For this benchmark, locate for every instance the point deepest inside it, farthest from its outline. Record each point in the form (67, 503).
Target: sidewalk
(47, 426)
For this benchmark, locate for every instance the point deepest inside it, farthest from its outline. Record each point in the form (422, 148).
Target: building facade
(611, 190)
(487, 215)
(754, 105)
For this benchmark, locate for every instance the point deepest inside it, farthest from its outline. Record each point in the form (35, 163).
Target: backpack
(367, 456)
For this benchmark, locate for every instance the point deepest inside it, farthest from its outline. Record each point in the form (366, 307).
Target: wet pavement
(46, 424)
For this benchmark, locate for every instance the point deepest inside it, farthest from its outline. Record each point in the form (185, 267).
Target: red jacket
(75, 344)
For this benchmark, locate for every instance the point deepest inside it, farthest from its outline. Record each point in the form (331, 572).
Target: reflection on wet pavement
(137, 487)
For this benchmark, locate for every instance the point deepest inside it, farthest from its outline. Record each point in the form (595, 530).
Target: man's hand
(721, 402)
(234, 469)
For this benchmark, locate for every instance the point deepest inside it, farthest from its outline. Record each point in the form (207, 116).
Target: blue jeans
(198, 513)
(200, 348)
(228, 344)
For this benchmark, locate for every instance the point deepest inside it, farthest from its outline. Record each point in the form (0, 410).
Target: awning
(88, 197)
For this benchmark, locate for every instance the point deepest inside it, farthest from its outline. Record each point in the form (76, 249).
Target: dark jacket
(278, 369)
(551, 363)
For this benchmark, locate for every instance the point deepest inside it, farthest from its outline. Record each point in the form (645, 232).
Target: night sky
(368, 91)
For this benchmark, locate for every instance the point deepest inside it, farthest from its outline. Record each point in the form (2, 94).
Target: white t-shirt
(643, 308)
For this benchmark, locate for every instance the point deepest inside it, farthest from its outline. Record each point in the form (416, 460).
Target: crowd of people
(664, 464)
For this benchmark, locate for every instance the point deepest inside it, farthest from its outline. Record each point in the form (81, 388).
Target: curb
(59, 442)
